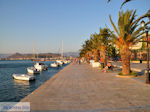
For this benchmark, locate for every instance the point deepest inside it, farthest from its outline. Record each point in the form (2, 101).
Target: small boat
(54, 65)
(65, 62)
(59, 62)
(23, 77)
(33, 70)
(68, 61)
(40, 66)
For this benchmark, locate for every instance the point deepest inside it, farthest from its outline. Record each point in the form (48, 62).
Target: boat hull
(54, 65)
(33, 71)
(23, 77)
(40, 67)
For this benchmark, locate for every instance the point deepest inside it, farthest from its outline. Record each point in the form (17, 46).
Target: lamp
(143, 24)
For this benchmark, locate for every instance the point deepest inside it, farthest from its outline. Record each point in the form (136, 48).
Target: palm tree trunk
(95, 55)
(125, 56)
(89, 56)
(103, 56)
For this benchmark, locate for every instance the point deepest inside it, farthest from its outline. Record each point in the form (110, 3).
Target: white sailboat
(60, 62)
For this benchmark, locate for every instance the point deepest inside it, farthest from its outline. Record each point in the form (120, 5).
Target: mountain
(40, 55)
(4, 55)
(73, 54)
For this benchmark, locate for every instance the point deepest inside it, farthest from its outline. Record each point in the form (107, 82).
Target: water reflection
(21, 82)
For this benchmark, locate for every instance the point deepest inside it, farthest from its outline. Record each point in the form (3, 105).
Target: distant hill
(73, 54)
(4, 55)
(40, 55)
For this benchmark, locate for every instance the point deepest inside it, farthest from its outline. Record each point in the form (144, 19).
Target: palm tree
(97, 44)
(126, 34)
(104, 41)
(94, 45)
(86, 50)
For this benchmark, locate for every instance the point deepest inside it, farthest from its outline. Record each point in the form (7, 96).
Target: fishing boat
(40, 66)
(54, 65)
(33, 70)
(23, 77)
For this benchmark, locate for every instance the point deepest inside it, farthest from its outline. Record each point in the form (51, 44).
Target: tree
(126, 34)
(86, 50)
(95, 46)
(104, 40)
(112, 52)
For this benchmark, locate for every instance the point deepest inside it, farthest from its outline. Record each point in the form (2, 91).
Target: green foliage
(127, 32)
(112, 52)
(105, 36)
(85, 48)
(96, 41)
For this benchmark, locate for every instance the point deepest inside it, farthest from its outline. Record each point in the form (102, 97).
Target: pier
(81, 88)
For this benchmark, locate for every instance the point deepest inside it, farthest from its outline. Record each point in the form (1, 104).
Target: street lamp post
(147, 76)
(146, 31)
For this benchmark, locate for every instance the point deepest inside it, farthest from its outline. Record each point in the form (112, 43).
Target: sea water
(12, 90)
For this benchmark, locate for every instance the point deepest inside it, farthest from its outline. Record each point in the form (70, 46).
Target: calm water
(14, 90)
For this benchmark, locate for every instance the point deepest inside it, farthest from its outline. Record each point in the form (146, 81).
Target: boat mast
(62, 50)
(33, 53)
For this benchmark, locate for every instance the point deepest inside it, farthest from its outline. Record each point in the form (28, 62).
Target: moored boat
(59, 62)
(23, 77)
(65, 62)
(40, 66)
(68, 61)
(33, 70)
(54, 65)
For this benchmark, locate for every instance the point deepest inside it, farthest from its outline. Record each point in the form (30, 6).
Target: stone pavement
(81, 88)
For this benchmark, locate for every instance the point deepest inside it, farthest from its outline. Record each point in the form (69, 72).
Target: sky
(40, 26)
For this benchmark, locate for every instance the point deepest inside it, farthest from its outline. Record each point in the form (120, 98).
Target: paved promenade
(81, 88)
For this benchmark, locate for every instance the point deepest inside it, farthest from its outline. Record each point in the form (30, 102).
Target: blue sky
(43, 24)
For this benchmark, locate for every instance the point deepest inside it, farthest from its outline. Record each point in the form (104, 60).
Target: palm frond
(133, 17)
(137, 40)
(128, 29)
(141, 17)
(137, 32)
(125, 1)
(112, 35)
(113, 25)
(108, 1)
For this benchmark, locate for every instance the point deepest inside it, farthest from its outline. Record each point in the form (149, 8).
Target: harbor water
(12, 90)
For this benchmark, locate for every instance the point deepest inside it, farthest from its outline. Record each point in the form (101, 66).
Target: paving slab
(81, 88)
